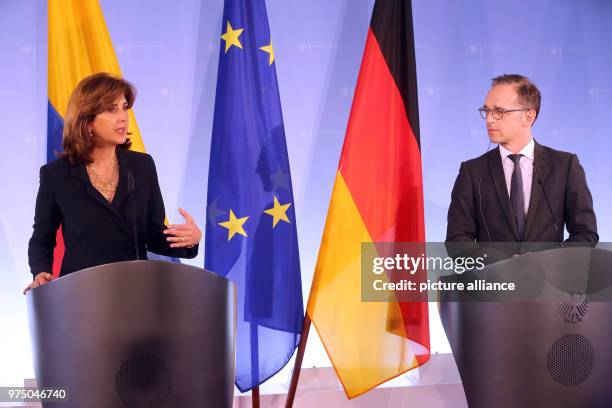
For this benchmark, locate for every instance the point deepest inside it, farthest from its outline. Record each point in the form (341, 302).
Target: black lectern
(136, 334)
(550, 346)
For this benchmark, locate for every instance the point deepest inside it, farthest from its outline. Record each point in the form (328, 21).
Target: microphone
(131, 188)
(552, 214)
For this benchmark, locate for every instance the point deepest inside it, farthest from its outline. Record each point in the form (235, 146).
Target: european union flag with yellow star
(251, 234)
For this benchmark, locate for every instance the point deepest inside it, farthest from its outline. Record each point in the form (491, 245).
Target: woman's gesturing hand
(183, 235)
(40, 279)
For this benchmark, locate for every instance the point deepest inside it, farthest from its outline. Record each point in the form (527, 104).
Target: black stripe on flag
(392, 26)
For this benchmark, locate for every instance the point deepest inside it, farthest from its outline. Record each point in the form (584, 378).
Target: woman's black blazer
(95, 231)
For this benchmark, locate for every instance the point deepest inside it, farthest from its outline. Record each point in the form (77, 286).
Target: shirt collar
(526, 151)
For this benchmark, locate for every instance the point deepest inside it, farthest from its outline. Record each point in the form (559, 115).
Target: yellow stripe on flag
(79, 46)
(356, 334)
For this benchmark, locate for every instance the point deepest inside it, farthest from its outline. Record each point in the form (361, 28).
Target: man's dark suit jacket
(95, 231)
(480, 200)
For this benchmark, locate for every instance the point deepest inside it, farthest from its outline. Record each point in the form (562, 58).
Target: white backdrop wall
(169, 50)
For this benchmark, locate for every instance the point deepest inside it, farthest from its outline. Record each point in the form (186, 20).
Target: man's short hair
(528, 94)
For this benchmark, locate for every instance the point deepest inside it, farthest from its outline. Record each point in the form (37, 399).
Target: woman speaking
(106, 197)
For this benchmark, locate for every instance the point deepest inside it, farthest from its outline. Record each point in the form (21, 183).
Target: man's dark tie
(516, 195)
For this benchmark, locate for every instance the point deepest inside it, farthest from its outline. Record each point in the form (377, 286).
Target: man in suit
(521, 191)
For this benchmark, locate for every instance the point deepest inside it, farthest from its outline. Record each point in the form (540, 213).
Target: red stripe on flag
(58, 253)
(381, 164)
(381, 160)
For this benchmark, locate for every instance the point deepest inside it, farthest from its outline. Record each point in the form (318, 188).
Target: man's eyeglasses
(498, 113)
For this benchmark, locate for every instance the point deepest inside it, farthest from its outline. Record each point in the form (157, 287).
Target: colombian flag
(79, 46)
(377, 197)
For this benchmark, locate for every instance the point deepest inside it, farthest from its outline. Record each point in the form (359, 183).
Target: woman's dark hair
(93, 95)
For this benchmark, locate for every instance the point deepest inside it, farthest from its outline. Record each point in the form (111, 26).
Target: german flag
(377, 197)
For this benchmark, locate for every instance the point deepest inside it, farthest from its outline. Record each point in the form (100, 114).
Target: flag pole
(254, 361)
(297, 367)
(255, 397)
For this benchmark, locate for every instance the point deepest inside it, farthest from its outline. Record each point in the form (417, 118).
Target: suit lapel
(78, 170)
(496, 171)
(540, 161)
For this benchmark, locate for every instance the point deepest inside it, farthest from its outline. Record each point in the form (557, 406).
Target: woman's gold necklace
(106, 186)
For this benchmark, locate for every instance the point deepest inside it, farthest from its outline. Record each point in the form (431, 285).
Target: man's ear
(529, 118)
